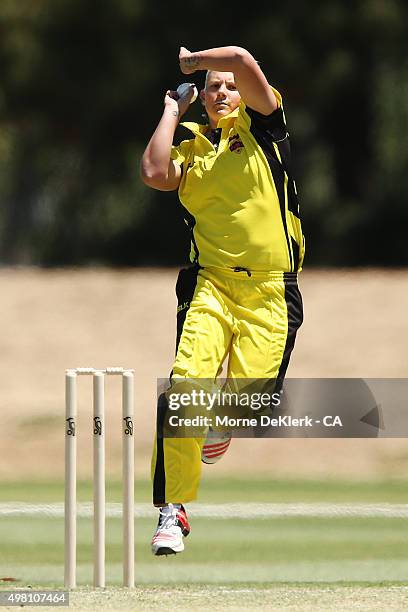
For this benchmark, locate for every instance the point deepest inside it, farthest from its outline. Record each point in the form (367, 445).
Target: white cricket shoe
(171, 528)
(215, 446)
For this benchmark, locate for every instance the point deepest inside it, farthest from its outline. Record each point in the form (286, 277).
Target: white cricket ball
(183, 90)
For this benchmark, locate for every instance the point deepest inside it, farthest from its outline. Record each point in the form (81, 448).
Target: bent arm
(249, 78)
(157, 169)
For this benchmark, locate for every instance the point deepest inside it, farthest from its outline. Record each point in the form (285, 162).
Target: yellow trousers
(249, 318)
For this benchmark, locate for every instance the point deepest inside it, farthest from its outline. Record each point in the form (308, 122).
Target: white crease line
(221, 511)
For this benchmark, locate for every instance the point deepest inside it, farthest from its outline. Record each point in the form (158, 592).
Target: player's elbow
(242, 56)
(156, 178)
(151, 175)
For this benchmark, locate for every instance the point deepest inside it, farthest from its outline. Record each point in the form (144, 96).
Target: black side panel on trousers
(185, 287)
(159, 479)
(295, 319)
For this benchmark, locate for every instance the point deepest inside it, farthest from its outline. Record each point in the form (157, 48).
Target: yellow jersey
(240, 197)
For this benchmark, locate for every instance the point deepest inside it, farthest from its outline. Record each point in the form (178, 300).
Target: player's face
(220, 95)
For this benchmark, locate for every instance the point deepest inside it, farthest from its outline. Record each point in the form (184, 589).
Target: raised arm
(157, 169)
(249, 78)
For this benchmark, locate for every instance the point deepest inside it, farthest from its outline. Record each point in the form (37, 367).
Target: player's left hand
(188, 61)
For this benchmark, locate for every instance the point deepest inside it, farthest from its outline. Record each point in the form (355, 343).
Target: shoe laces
(168, 516)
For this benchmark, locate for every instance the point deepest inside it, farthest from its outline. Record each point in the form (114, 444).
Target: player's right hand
(173, 100)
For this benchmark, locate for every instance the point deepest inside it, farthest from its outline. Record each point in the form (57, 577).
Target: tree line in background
(81, 90)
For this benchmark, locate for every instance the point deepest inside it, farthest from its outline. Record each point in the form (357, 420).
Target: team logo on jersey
(235, 144)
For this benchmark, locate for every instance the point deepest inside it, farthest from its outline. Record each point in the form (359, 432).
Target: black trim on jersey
(279, 180)
(274, 123)
(284, 152)
(190, 220)
(214, 136)
(295, 251)
(266, 130)
(275, 128)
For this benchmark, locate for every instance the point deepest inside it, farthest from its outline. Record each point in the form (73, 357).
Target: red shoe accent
(182, 518)
(216, 450)
(214, 446)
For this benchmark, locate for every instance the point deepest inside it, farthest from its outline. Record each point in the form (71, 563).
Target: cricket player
(240, 298)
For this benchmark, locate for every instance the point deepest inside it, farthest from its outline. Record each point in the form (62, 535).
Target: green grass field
(287, 561)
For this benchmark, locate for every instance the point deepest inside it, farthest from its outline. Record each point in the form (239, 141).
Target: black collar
(214, 137)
